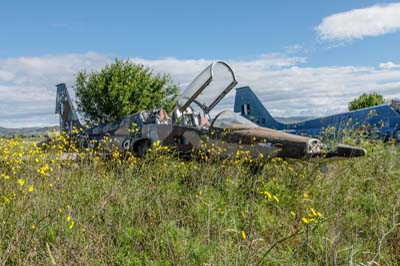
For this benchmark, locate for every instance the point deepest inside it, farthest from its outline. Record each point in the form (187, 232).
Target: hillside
(42, 131)
(26, 132)
(293, 119)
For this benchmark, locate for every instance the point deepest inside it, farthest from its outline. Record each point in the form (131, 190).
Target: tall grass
(162, 210)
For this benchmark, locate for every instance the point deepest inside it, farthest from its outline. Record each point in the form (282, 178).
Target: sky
(302, 58)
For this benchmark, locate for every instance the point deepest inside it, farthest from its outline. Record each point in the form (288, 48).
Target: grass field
(162, 210)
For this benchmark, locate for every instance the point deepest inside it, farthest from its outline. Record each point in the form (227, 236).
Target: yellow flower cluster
(5, 176)
(71, 223)
(45, 170)
(312, 216)
(270, 196)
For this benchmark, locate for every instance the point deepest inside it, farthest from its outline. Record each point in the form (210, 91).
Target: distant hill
(41, 131)
(293, 119)
(26, 132)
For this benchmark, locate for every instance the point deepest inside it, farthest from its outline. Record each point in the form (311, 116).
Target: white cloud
(321, 91)
(389, 65)
(27, 85)
(49, 69)
(287, 88)
(359, 23)
(296, 49)
(6, 76)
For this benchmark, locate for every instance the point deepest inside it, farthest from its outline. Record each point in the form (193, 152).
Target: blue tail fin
(64, 107)
(248, 104)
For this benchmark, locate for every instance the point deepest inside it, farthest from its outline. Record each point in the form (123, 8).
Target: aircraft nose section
(349, 151)
(314, 147)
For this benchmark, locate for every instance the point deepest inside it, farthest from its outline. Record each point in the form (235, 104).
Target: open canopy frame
(209, 87)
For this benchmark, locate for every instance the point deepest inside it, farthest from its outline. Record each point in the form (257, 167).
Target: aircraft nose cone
(314, 147)
(350, 151)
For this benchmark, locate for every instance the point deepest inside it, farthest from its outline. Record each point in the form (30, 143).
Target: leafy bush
(366, 100)
(120, 89)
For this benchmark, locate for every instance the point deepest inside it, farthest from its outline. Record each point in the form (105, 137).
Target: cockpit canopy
(230, 120)
(209, 87)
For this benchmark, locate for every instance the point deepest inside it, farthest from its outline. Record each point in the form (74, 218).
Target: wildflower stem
(380, 242)
(307, 231)
(276, 243)
(53, 262)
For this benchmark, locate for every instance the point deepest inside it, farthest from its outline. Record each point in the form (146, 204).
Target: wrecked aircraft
(382, 121)
(191, 127)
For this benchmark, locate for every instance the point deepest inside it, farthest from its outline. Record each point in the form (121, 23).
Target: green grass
(165, 211)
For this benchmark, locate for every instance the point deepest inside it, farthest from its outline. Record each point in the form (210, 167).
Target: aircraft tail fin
(248, 104)
(68, 117)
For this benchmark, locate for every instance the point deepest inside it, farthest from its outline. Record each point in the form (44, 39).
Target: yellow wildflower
(21, 182)
(307, 221)
(276, 198)
(314, 213)
(5, 176)
(30, 189)
(71, 225)
(244, 236)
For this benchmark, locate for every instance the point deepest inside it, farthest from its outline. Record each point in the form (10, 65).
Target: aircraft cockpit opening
(230, 120)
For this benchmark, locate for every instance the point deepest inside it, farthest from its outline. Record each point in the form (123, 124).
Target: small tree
(120, 89)
(366, 100)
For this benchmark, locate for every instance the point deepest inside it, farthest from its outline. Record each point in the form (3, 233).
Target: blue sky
(272, 45)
